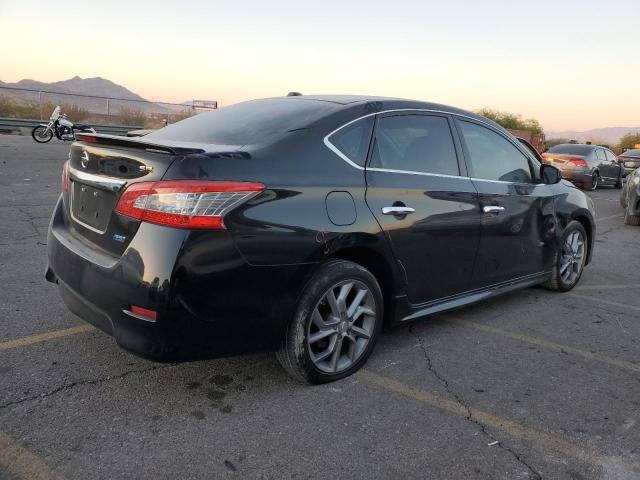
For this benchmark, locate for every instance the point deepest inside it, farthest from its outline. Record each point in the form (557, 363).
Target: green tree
(512, 121)
(629, 141)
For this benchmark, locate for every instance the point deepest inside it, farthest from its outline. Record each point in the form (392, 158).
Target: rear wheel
(630, 219)
(335, 326)
(595, 179)
(618, 184)
(41, 134)
(570, 259)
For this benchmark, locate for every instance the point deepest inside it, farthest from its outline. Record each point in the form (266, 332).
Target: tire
(37, 132)
(633, 220)
(559, 281)
(595, 180)
(308, 361)
(618, 184)
(623, 196)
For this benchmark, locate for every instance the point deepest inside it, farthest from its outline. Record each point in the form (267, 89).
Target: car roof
(381, 104)
(634, 152)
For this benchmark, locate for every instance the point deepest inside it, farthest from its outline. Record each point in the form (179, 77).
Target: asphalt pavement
(533, 384)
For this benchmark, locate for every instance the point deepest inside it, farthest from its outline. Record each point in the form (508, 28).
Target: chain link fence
(93, 109)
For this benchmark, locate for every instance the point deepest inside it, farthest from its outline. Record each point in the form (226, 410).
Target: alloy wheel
(572, 259)
(341, 326)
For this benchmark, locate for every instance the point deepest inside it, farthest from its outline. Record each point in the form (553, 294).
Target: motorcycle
(59, 126)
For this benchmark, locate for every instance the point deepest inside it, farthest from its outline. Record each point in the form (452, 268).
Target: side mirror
(550, 174)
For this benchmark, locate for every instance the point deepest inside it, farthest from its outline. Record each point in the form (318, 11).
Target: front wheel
(42, 134)
(570, 258)
(335, 326)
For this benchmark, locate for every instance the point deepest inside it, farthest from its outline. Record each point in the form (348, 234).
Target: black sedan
(586, 165)
(630, 198)
(630, 160)
(302, 224)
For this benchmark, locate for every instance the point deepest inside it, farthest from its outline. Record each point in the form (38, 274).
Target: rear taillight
(192, 204)
(65, 176)
(578, 162)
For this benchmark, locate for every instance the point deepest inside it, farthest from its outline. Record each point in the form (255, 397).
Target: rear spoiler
(101, 139)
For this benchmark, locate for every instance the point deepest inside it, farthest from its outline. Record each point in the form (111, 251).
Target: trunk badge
(84, 159)
(119, 238)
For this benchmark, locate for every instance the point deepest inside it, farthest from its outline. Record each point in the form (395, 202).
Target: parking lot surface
(533, 384)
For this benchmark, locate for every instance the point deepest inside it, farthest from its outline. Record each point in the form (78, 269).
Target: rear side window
(600, 155)
(415, 143)
(493, 157)
(353, 140)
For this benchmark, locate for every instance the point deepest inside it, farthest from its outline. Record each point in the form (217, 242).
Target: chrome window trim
(335, 150)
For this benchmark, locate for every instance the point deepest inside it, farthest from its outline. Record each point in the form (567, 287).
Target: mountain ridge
(94, 86)
(610, 135)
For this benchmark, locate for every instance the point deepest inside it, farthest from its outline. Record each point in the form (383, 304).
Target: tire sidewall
(329, 274)
(571, 227)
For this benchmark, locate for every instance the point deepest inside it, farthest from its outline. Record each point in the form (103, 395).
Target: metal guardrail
(15, 124)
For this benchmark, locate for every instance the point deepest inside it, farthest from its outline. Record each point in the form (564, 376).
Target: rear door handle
(492, 209)
(397, 210)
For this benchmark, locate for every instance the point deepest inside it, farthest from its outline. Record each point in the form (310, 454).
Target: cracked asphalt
(531, 385)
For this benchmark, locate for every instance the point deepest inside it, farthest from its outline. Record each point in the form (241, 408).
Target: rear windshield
(632, 153)
(253, 122)
(572, 149)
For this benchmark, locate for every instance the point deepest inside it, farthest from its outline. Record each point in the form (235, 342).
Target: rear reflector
(144, 312)
(191, 204)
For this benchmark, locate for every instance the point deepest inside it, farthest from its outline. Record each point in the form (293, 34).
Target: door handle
(397, 210)
(492, 209)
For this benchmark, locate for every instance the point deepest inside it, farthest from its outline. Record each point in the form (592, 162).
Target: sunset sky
(570, 64)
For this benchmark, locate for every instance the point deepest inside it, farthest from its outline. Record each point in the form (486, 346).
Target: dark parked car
(630, 160)
(586, 165)
(302, 224)
(630, 198)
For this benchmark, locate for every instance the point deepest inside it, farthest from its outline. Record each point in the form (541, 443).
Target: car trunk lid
(100, 168)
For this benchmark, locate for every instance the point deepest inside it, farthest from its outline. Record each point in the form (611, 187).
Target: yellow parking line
(606, 302)
(607, 287)
(551, 345)
(43, 337)
(541, 439)
(21, 462)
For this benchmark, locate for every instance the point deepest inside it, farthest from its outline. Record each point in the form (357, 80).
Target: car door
(614, 165)
(428, 208)
(603, 165)
(518, 218)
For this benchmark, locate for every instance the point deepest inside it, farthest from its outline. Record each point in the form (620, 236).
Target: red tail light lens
(578, 162)
(65, 176)
(191, 204)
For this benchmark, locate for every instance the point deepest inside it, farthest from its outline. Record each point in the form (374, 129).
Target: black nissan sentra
(302, 225)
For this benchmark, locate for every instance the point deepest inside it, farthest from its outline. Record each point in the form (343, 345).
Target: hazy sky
(570, 64)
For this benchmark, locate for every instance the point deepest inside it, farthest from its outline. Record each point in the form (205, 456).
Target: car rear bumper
(209, 301)
(581, 177)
